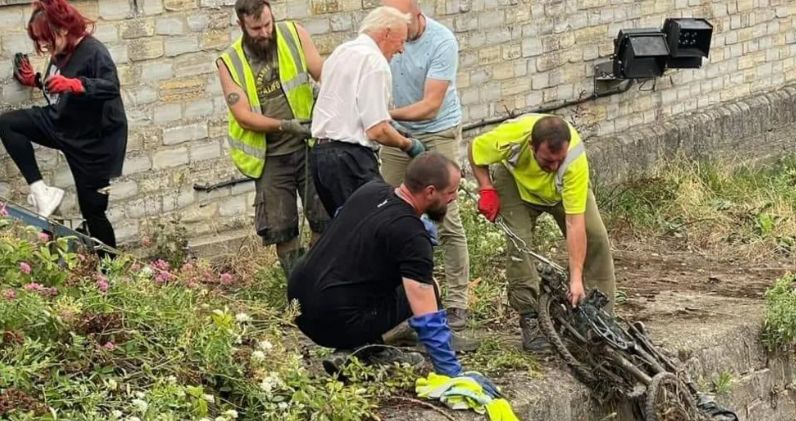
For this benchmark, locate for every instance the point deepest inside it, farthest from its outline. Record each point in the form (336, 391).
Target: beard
(437, 213)
(263, 48)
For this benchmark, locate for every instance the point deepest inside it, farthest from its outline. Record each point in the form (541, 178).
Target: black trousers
(339, 168)
(18, 131)
(349, 328)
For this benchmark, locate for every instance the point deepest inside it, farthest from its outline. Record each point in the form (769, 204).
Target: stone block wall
(515, 55)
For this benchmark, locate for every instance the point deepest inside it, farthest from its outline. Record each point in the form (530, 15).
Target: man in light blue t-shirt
(427, 108)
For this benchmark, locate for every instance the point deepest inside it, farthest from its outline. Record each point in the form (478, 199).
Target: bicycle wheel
(668, 399)
(547, 323)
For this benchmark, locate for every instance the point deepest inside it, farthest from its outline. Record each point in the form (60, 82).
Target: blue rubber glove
(433, 332)
(486, 384)
(431, 229)
(416, 149)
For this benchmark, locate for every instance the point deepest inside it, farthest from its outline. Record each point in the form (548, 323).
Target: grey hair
(383, 17)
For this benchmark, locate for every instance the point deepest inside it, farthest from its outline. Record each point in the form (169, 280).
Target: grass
(779, 331)
(722, 385)
(748, 211)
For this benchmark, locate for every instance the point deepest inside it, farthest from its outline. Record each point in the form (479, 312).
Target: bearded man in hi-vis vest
(265, 76)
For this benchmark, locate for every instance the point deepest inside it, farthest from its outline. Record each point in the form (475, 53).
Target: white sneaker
(44, 199)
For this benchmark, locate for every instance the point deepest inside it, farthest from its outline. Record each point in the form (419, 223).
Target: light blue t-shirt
(435, 55)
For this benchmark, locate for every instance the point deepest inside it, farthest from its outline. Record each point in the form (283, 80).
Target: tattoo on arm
(233, 98)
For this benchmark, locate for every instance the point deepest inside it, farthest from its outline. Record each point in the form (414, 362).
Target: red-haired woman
(84, 117)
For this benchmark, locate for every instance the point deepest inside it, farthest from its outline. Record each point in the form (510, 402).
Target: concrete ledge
(722, 336)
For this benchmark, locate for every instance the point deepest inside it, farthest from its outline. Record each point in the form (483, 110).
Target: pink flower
(160, 264)
(3, 210)
(146, 241)
(41, 289)
(110, 346)
(34, 287)
(102, 285)
(44, 237)
(186, 267)
(226, 278)
(9, 294)
(163, 277)
(24, 267)
(191, 284)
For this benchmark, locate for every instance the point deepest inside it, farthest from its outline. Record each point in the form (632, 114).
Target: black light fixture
(640, 53)
(646, 53)
(689, 41)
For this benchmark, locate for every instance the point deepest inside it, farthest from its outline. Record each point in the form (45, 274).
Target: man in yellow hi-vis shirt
(543, 168)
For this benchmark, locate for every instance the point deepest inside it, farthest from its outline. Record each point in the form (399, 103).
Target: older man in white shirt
(351, 118)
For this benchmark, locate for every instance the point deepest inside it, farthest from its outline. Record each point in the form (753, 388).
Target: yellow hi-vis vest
(246, 147)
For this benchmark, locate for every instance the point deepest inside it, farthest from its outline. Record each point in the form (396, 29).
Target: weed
(779, 332)
(723, 383)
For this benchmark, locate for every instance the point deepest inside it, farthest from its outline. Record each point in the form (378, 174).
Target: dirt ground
(645, 270)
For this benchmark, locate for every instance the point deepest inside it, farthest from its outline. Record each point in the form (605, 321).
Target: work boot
(457, 318)
(532, 338)
(461, 343)
(401, 335)
(44, 199)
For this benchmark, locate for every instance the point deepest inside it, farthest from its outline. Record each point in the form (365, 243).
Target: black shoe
(457, 318)
(532, 338)
(391, 355)
(336, 362)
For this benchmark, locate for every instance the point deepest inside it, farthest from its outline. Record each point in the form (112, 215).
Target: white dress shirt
(355, 93)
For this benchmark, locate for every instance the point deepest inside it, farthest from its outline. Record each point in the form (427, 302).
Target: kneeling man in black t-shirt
(372, 269)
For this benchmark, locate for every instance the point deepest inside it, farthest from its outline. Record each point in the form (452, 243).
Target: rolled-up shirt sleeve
(373, 98)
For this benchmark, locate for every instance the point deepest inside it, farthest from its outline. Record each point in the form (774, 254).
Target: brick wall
(515, 55)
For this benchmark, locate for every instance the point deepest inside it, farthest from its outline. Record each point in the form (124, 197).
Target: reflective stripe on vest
(572, 155)
(248, 148)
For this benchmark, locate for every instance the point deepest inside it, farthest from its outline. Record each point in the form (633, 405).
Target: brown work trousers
(520, 217)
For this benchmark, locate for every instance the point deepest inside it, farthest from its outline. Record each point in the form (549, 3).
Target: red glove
(23, 71)
(489, 203)
(58, 84)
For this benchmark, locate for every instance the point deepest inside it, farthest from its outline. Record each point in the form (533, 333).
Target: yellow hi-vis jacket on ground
(247, 148)
(510, 144)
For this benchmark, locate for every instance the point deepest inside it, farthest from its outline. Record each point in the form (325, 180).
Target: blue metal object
(54, 228)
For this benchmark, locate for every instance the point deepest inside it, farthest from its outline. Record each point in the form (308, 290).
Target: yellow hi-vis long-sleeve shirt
(510, 144)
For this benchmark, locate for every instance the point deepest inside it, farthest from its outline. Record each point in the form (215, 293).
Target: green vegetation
(748, 211)
(779, 332)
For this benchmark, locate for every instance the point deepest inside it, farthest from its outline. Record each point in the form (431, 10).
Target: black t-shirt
(91, 127)
(375, 240)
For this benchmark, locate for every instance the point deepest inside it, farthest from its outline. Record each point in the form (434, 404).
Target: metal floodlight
(688, 40)
(640, 53)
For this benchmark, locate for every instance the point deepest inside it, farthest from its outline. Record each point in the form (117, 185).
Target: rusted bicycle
(612, 356)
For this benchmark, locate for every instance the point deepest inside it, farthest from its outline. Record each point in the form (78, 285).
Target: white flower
(282, 406)
(220, 419)
(133, 419)
(266, 345)
(231, 413)
(116, 413)
(141, 405)
(258, 356)
(209, 398)
(205, 419)
(139, 394)
(171, 379)
(242, 318)
(112, 385)
(270, 382)
(147, 272)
